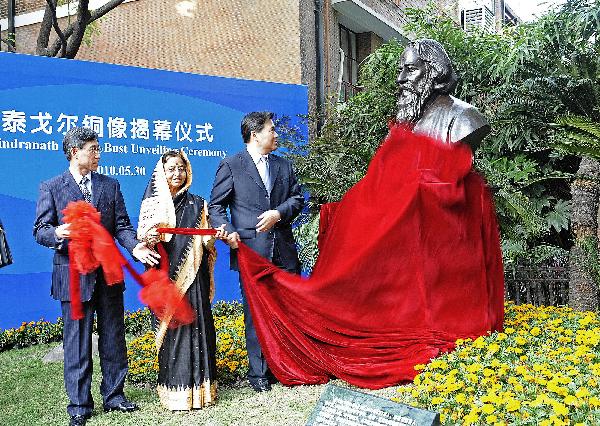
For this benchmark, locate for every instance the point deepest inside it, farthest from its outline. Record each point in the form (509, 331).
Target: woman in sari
(186, 354)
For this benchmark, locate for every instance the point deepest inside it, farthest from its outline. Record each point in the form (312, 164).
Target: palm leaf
(578, 135)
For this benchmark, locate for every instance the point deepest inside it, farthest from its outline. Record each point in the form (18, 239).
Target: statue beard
(411, 102)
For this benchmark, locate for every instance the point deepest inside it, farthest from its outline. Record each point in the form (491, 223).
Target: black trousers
(107, 304)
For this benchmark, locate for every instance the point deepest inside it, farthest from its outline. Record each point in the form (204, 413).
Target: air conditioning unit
(481, 18)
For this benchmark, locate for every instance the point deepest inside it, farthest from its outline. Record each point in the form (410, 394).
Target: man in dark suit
(81, 182)
(263, 197)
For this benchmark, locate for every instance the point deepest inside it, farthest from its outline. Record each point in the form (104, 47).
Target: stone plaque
(346, 407)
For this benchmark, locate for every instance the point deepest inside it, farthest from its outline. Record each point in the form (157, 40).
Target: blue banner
(138, 114)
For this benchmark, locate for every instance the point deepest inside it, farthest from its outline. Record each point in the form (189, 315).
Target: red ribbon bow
(91, 246)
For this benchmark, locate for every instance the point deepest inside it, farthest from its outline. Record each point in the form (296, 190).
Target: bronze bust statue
(425, 82)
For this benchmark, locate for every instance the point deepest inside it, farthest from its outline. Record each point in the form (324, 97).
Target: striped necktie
(87, 196)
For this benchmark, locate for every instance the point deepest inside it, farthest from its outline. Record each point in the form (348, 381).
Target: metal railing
(537, 285)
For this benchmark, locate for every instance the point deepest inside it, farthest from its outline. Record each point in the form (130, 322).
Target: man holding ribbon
(81, 182)
(263, 197)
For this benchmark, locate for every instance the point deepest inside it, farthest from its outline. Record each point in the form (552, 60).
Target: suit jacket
(54, 196)
(239, 188)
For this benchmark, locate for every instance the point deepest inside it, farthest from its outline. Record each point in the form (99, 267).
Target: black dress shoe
(272, 379)
(124, 407)
(260, 385)
(78, 420)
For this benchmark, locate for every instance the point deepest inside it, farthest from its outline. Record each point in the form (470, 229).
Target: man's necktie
(87, 196)
(266, 176)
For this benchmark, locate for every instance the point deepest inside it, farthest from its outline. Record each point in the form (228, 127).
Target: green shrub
(138, 322)
(227, 309)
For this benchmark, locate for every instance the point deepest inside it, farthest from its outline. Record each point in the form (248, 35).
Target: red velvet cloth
(410, 262)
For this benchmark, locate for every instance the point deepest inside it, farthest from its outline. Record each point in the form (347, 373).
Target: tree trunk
(585, 190)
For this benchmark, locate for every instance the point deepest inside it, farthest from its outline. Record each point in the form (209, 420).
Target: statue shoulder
(468, 124)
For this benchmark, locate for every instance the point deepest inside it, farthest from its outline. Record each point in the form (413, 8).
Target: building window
(348, 64)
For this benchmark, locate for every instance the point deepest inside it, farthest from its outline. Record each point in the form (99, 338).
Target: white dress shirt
(261, 162)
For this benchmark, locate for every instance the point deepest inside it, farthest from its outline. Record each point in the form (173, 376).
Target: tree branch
(81, 22)
(103, 10)
(91, 17)
(61, 36)
(45, 28)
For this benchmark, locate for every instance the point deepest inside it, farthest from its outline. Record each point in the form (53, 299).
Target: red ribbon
(187, 231)
(91, 246)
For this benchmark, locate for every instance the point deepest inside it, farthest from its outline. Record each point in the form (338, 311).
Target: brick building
(320, 43)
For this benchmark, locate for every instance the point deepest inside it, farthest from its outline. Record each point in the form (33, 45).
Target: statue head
(425, 72)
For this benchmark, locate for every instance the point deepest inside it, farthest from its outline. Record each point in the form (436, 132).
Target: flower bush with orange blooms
(36, 332)
(31, 333)
(232, 359)
(543, 369)
(142, 359)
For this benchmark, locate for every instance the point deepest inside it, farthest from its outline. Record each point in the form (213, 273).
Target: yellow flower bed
(544, 369)
(143, 360)
(232, 359)
(30, 333)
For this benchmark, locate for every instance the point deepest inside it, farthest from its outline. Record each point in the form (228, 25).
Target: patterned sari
(187, 354)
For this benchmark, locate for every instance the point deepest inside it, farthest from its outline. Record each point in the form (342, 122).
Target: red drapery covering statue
(410, 262)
